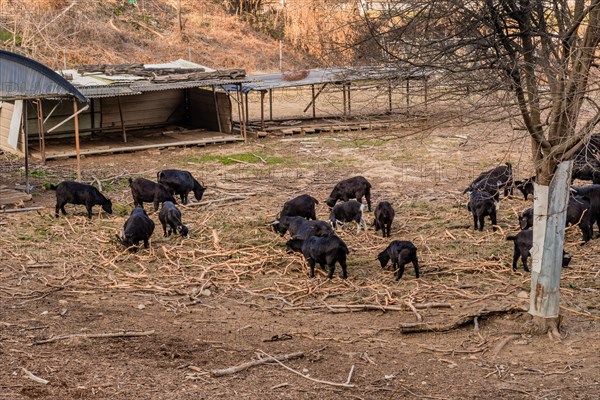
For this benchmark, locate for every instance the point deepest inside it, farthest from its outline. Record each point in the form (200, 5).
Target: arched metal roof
(22, 78)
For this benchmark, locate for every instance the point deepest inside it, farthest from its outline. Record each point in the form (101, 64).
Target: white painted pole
(550, 213)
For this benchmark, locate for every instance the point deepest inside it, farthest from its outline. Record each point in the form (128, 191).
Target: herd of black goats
(316, 239)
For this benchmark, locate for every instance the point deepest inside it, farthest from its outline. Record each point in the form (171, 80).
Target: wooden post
(349, 101)
(262, 109)
(76, 121)
(390, 96)
(26, 145)
(550, 205)
(344, 95)
(247, 114)
(270, 104)
(314, 109)
(41, 137)
(217, 108)
(407, 96)
(122, 122)
(426, 91)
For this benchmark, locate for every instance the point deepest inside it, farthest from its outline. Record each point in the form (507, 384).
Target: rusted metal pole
(349, 101)
(76, 121)
(26, 145)
(344, 95)
(270, 104)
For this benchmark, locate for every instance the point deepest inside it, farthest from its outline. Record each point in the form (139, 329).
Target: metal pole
(76, 121)
(426, 90)
(26, 144)
(246, 104)
(344, 94)
(42, 139)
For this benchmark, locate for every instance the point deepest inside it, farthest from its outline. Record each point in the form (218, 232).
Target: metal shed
(135, 107)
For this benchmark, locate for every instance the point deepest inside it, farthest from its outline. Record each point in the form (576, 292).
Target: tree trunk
(550, 213)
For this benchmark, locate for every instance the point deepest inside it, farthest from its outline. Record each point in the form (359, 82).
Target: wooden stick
(245, 366)
(456, 323)
(503, 343)
(230, 198)
(94, 335)
(414, 310)
(34, 378)
(345, 384)
(15, 210)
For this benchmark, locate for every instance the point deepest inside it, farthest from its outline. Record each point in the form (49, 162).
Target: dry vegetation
(231, 292)
(59, 32)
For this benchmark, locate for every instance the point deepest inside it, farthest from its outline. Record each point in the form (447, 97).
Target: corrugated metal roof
(328, 75)
(24, 78)
(96, 84)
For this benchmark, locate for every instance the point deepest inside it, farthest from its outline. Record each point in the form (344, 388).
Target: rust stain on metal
(539, 295)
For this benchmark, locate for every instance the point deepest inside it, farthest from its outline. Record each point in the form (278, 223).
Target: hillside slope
(67, 33)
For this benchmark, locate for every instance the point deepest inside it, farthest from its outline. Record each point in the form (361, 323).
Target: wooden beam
(349, 100)
(262, 109)
(122, 121)
(217, 108)
(26, 145)
(270, 104)
(390, 96)
(312, 102)
(407, 96)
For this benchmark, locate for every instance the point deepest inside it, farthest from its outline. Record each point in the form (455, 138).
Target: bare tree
(545, 55)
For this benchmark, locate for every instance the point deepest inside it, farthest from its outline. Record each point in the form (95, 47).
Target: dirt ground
(231, 294)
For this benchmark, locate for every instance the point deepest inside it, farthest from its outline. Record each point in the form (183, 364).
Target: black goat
(144, 190)
(493, 180)
(592, 192)
(79, 193)
(401, 252)
(181, 183)
(384, 216)
(578, 212)
(351, 188)
(586, 169)
(171, 216)
(523, 242)
(348, 211)
(300, 227)
(138, 227)
(526, 186)
(301, 206)
(482, 204)
(323, 250)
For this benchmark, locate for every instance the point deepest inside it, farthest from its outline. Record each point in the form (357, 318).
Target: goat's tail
(158, 176)
(130, 181)
(51, 186)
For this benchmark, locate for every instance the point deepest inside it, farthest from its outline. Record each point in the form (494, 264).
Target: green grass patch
(239, 158)
(38, 173)
(367, 142)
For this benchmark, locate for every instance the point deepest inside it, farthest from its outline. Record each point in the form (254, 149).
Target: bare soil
(231, 291)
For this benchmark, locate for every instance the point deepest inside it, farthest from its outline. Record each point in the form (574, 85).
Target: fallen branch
(345, 384)
(503, 343)
(230, 198)
(35, 378)
(456, 323)
(340, 308)
(245, 366)
(94, 335)
(15, 210)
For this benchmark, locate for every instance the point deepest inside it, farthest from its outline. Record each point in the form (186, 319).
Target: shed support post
(122, 122)
(344, 95)
(349, 101)
(262, 109)
(314, 108)
(41, 136)
(76, 121)
(407, 96)
(426, 92)
(217, 108)
(26, 146)
(270, 104)
(390, 97)
(246, 114)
